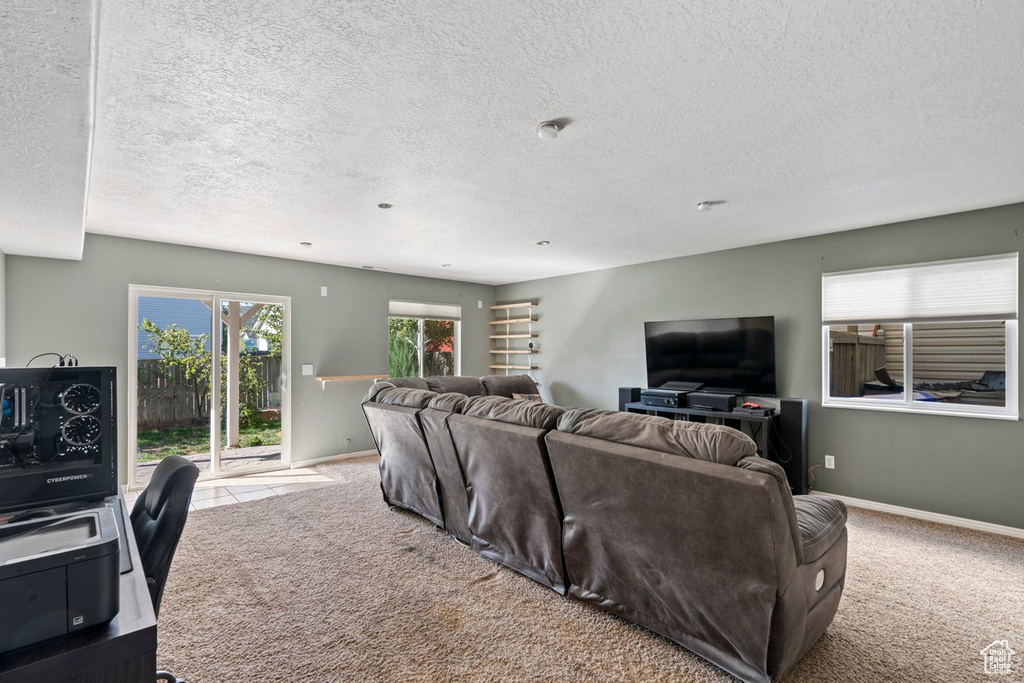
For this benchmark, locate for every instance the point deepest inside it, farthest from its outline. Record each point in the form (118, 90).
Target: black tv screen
(58, 435)
(733, 355)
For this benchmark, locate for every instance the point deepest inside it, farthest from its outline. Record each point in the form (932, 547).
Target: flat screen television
(58, 435)
(730, 355)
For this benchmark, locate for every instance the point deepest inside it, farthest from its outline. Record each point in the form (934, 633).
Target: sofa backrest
(506, 385)
(450, 480)
(514, 513)
(468, 386)
(407, 474)
(491, 385)
(449, 403)
(401, 396)
(408, 382)
(513, 411)
(778, 477)
(713, 540)
(710, 442)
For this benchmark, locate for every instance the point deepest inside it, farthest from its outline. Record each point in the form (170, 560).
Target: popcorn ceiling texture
(252, 126)
(45, 118)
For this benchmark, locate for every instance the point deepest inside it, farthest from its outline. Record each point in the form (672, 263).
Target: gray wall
(3, 308)
(591, 343)
(82, 308)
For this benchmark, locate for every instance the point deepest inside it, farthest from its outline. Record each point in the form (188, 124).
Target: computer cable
(782, 444)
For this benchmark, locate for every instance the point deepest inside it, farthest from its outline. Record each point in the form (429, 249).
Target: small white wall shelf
(324, 379)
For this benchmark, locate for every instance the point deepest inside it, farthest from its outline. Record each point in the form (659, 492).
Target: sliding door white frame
(212, 299)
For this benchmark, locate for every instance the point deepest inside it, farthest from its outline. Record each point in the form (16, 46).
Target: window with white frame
(937, 337)
(423, 339)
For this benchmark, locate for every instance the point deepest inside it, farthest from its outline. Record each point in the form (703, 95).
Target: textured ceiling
(253, 126)
(46, 98)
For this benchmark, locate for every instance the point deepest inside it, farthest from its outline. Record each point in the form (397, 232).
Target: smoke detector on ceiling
(548, 130)
(707, 205)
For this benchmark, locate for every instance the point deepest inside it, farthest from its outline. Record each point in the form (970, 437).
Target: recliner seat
(680, 527)
(407, 475)
(410, 477)
(451, 480)
(677, 526)
(514, 514)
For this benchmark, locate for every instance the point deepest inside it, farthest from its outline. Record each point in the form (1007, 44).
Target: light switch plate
(323, 291)
(307, 369)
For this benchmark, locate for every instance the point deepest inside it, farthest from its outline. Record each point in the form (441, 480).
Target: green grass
(157, 444)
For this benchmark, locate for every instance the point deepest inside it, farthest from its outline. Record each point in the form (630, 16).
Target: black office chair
(158, 518)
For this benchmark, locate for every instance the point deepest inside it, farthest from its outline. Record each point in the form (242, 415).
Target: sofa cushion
(451, 402)
(400, 396)
(376, 388)
(821, 520)
(506, 385)
(714, 443)
(511, 411)
(469, 386)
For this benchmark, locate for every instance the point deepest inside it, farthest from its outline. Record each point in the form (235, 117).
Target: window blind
(417, 309)
(964, 289)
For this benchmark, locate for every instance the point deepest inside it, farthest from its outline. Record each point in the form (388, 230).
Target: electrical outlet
(830, 462)
(323, 291)
(307, 369)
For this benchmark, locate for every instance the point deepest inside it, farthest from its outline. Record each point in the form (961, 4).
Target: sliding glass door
(210, 381)
(252, 375)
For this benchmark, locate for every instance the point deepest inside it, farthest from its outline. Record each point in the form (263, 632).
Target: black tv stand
(696, 414)
(781, 437)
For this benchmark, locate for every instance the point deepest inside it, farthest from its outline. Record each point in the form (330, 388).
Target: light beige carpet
(329, 585)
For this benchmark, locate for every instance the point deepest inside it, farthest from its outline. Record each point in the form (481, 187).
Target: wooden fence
(166, 398)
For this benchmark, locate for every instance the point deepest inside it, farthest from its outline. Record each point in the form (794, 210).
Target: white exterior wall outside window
(936, 337)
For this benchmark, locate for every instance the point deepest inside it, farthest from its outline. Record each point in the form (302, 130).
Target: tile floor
(213, 492)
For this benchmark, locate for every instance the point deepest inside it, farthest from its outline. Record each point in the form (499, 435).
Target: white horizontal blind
(418, 309)
(977, 288)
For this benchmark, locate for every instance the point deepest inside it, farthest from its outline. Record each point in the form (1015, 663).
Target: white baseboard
(928, 516)
(333, 458)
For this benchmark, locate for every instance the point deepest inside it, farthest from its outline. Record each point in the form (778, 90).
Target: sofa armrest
(821, 520)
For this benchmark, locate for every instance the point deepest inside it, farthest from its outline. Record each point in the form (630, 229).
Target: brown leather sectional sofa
(676, 526)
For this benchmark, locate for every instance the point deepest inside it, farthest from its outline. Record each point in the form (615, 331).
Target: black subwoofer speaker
(789, 442)
(628, 395)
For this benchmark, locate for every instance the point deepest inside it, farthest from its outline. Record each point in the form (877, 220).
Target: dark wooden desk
(124, 651)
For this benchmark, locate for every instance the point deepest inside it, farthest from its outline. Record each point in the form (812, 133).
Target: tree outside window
(412, 340)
